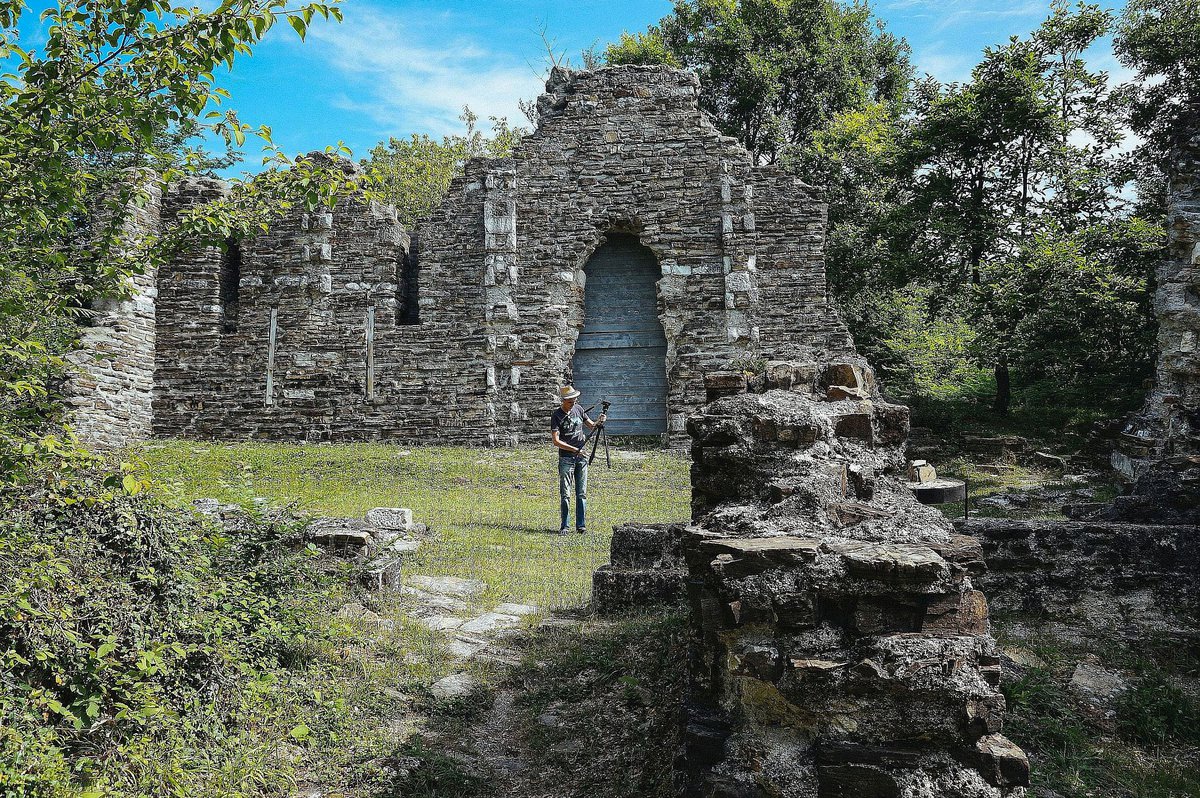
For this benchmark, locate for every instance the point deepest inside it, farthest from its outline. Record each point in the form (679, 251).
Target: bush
(134, 638)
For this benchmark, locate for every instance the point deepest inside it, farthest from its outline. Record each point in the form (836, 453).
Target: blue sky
(396, 67)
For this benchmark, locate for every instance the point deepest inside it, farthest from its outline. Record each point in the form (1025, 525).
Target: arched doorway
(621, 353)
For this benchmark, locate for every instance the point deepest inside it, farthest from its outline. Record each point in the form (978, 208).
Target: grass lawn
(494, 511)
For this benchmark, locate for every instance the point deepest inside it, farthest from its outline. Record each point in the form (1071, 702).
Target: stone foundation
(1093, 578)
(645, 567)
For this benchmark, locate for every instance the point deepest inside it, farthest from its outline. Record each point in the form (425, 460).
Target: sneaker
(581, 530)
(563, 531)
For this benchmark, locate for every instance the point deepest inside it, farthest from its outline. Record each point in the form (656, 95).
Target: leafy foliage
(1161, 39)
(775, 72)
(117, 86)
(414, 174)
(131, 631)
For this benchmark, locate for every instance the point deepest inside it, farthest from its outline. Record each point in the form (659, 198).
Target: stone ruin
(1159, 449)
(839, 644)
(626, 244)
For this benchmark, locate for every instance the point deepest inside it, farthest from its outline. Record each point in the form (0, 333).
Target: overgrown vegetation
(92, 123)
(1147, 747)
(414, 174)
(142, 647)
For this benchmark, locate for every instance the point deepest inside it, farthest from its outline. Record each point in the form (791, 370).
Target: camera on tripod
(600, 435)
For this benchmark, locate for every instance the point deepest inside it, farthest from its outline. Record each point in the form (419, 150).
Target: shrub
(129, 630)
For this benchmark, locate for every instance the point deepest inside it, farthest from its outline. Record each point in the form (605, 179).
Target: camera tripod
(599, 434)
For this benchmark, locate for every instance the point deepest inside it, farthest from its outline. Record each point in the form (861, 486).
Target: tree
(118, 84)
(775, 72)
(1161, 39)
(414, 174)
(1017, 200)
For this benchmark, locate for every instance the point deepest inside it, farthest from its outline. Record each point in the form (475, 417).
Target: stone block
(390, 518)
(382, 573)
(620, 589)
(1001, 762)
(854, 425)
(647, 546)
(847, 375)
(724, 383)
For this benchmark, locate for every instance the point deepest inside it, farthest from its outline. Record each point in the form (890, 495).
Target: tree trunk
(1003, 386)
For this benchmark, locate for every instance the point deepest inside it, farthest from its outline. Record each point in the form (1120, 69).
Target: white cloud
(414, 75)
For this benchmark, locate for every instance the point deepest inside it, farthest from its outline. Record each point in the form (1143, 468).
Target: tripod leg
(607, 459)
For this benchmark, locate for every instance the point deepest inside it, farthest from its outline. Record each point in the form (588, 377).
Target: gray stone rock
(439, 623)
(447, 585)
(456, 685)
(490, 622)
(392, 518)
(1097, 684)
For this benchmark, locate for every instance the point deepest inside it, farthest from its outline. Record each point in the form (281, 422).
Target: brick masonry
(473, 317)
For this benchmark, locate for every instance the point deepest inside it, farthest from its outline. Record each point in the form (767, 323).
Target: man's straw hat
(566, 392)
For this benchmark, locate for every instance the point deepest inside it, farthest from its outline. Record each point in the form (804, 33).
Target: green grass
(494, 511)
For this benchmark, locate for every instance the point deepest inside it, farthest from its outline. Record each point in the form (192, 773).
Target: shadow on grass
(591, 712)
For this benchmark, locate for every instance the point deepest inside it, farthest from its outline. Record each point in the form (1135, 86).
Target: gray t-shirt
(570, 428)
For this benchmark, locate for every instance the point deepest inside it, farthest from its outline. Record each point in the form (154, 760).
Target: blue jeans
(572, 473)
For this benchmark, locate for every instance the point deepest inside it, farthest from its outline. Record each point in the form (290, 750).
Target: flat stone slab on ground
(432, 603)
(490, 622)
(438, 623)
(403, 546)
(447, 585)
(464, 647)
(508, 608)
(456, 685)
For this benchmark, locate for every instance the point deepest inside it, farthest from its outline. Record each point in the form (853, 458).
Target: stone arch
(621, 351)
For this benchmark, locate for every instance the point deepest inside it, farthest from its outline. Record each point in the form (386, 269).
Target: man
(567, 425)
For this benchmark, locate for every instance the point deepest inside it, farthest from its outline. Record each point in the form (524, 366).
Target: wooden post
(270, 397)
(371, 352)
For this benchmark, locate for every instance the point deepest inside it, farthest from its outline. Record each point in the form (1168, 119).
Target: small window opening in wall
(230, 279)
(407, 308)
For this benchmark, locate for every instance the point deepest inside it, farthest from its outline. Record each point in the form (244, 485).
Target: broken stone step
(618, 589)
(382, 573)
(447, 585)
(490, 622)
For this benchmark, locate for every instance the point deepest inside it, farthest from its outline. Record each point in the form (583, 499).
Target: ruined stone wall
(499, 271)
(1159, 449)
(321, 281)
(840, 645)
(110, 392)
(1093, 577)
